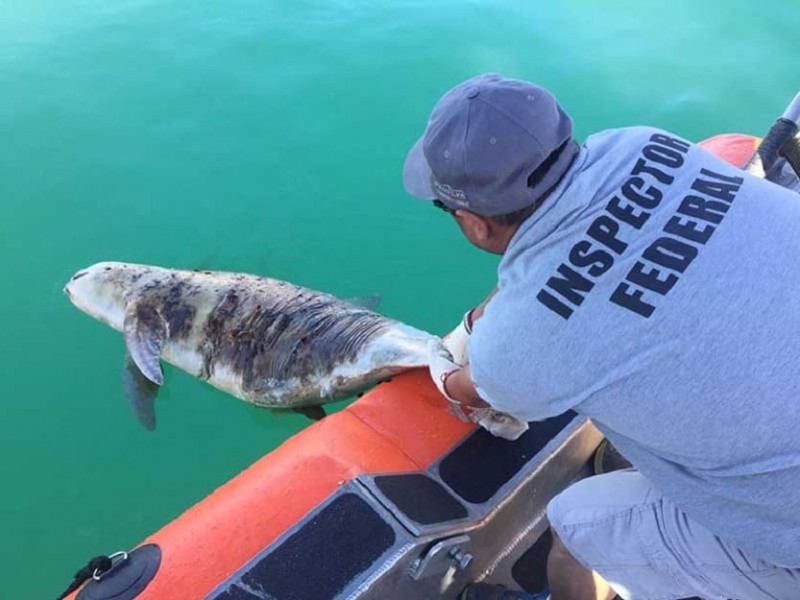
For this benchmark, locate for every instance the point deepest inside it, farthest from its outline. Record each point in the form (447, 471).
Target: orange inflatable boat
(392, 497)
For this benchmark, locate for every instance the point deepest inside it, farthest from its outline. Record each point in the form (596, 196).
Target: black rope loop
(99, 565)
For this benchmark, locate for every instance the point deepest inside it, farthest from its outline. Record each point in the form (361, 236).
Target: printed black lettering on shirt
(608, 234)
(597, 261)
(554, 304)
(627, 213)
(633, 191)
(651, 278)
(664, 261)
(604, 229)
(688, 229)
(570, 285)
(631, 298)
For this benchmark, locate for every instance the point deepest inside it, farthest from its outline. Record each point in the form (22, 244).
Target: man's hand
(441, 366)
(464, 400)
(498, 423)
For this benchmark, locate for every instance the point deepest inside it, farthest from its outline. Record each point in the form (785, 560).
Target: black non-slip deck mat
(321, 558)
(421, 498)
(483, 463)
(530, 570)
(236, 593)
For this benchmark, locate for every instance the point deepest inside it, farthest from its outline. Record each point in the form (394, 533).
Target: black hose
(767, 154)
(790, 150)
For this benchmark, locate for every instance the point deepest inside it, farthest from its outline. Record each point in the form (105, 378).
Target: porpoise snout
(75, 278)
(96, 291)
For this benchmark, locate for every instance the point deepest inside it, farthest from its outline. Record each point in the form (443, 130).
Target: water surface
(268, 137)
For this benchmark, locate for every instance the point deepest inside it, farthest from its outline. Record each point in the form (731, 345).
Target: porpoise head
(107, 291)
(102, 291)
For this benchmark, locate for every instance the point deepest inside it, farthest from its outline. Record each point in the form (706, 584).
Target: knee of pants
(570, 500)
(557, 509)
(598, 497)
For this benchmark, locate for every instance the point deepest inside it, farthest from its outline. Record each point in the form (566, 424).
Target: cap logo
(449, 193)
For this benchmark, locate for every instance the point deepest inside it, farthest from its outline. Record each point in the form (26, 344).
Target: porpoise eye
(79, 275)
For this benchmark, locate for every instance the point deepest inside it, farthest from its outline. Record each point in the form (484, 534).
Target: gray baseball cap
(484, 139)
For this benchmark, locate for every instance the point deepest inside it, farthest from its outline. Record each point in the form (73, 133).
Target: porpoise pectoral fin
(315, 413)
(370, 302)
(145, 331)
(140, 393)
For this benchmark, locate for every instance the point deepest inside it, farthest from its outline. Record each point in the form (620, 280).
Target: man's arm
(455, 383)
(452, 379)
(461, 389)
(458, 386)
(477, 312)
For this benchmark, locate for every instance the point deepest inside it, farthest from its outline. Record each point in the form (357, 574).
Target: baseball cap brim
(417, 173)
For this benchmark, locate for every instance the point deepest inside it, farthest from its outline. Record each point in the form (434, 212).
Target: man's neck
(506, 237)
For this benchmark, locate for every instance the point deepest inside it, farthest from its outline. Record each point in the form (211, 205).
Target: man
(656, 289)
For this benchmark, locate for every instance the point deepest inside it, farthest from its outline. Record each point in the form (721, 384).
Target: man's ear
(476, 227)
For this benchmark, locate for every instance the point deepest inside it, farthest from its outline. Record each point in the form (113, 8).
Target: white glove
(457, 340)
(498, 423)
(441, 365)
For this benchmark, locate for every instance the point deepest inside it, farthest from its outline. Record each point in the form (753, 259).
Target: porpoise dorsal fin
(315, 413)
(145, 332)
(140, 393)
(370, 302)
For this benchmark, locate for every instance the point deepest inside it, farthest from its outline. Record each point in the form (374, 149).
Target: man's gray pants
(618, 525)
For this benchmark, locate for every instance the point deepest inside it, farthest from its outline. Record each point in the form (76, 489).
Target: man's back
(656, 291)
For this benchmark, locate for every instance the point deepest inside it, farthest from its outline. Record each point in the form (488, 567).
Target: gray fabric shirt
(657, 291)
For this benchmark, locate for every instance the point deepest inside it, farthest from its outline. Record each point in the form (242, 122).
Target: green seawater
(268, 137)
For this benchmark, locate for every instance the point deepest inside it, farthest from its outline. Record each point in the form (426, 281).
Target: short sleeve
(502, 370)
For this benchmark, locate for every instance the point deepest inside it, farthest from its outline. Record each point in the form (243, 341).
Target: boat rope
(94, 569)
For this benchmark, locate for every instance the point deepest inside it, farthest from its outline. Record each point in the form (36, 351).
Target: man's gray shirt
(657, 291)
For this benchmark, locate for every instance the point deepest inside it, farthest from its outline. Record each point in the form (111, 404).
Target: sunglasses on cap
(442, 206)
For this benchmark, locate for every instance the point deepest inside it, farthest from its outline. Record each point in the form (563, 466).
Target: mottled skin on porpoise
(266, 341)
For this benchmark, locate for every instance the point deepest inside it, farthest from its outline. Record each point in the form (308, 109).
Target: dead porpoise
(265, 341)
